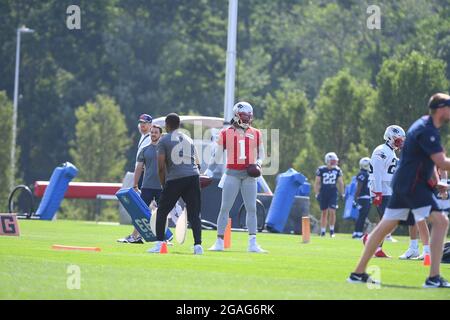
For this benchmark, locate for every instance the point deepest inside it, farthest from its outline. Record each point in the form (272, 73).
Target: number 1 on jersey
(242, 150)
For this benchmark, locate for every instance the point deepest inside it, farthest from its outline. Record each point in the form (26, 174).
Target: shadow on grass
(206, 252)
(395, 286)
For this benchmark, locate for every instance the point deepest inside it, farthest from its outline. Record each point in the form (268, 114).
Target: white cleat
(218, 245)
(198, 249)
(254, 247)
(156, 248)
(410, 254)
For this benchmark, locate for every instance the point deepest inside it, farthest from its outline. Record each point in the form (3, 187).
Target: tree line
(311, 69)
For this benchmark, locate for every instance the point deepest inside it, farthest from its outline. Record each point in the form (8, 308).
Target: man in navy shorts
(413, 190)
(328, 181)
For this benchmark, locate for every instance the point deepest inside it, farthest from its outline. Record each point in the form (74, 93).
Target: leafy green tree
(308, 158)
(192, 68)
(5, 141)
(404, 87)
(60, 69)
(156, 55)
(101, 142)
(288, 112)
(253, 77)
(338, 116)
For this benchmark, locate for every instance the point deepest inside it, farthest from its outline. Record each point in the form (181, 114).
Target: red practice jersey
(242, 147)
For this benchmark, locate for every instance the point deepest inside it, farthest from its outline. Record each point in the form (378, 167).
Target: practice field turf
(30, 269)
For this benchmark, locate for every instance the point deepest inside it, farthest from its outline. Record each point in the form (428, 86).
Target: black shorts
(150, 194)
(328, 200)
(421, 202)
(410, 221)
(422, 197)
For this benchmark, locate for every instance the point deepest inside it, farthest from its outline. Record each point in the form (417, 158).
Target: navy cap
(440, 104)
(145, 118)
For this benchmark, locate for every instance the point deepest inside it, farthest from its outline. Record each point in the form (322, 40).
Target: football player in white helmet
(384, 161)
(362, 197)
(327, 184)
(364, 163)
(244, 149)
(394, 136)
(412, 186)
(243, 114)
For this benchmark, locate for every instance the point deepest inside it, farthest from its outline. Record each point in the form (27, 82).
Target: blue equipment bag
(350, 212)
(288, 184)
(54, 193)
(139, 212)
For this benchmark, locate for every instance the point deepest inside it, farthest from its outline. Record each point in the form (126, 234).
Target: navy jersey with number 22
(328, 178)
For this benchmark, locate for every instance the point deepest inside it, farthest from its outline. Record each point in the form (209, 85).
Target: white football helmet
(394, 136)
(364, 163)
(243, 114)
(331, 159)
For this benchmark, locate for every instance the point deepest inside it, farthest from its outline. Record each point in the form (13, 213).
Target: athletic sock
(426, 249)
(414, 244)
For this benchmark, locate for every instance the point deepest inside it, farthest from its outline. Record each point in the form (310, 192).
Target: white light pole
(20, 30)
(230, 72)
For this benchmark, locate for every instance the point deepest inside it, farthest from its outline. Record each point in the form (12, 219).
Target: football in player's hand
(254, 170)
(205, 181)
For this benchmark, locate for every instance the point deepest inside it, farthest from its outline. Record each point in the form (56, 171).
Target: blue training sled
(139, 212)
(54, 193)
(288, 184)
(350, 212)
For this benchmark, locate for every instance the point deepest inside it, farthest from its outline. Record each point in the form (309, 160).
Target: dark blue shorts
(328, 200)
(421, 197)
(149, 194)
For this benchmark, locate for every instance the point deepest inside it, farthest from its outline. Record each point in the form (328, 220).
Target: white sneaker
(156, 248)
(391, 238)
(218, 245)
(410, 254)
(254, 247)
(198, 249)
(422, 256)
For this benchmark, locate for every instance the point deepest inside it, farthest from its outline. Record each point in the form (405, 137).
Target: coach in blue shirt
(412, 186)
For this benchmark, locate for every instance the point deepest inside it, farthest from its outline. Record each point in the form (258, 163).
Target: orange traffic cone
(306, 231)
(427, 260)
(163, 248)
(227, 235)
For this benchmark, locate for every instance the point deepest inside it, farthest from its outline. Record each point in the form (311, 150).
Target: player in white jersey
(383, 161)
(383, 164)
(382, 167)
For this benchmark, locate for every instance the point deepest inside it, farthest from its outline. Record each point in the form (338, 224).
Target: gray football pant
(231, 187)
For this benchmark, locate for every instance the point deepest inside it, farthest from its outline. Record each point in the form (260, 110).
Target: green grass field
(30, 269)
